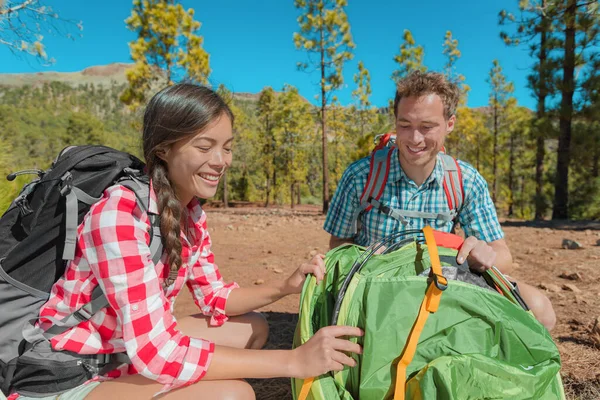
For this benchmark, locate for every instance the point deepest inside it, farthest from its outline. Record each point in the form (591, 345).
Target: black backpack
(38, 235)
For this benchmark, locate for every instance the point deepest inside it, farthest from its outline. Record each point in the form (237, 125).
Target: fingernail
(460, 260)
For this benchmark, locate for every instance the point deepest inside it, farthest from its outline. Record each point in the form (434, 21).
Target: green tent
(474, 343)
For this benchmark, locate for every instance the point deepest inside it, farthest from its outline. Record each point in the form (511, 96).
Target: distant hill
(98, 75)
(105, 75)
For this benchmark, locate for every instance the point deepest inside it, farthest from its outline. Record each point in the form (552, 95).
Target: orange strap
(429, 305)
(305, 388)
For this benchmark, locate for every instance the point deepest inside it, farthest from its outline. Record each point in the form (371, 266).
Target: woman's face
(196, 164)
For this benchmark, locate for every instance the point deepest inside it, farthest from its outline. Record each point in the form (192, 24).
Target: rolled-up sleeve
(208, 289)
(478, 215)
(114, 241)
(342, 212)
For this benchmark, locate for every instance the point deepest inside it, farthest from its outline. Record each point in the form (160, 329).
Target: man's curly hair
(418, 84)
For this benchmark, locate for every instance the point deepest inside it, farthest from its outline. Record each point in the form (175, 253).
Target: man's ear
(450, 124)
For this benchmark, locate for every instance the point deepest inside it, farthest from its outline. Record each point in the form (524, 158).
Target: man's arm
(504, 259)
(335, 241)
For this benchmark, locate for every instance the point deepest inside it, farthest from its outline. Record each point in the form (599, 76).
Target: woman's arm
(243, 300)
(322, 353)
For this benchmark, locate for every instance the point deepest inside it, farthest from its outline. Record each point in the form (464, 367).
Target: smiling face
(196, 164)
(421, 128)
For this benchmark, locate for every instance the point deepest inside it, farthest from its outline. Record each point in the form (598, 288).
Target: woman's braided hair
(175, 113)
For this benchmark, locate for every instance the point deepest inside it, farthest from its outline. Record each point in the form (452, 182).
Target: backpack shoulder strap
(141, 189)
(379, 168)
(453, 184)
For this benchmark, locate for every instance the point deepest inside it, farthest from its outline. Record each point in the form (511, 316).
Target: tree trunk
(540, 204)
(323, 128)
(274, 186)
(268, 147)
(561, 184)
(522, 199)
(292, 194)
(596, 159)
(225, 194)
(495, 149)
(511, 163)
(298, 193)
(477, 154)
(268, 188)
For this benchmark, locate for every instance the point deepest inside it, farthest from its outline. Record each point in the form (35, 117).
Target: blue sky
(250, 43)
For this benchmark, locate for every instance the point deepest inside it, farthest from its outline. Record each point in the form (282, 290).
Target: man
(424, 108)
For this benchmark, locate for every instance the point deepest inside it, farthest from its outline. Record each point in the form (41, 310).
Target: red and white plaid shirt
(112, 251)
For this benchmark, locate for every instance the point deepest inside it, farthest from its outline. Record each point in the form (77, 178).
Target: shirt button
(134, 307)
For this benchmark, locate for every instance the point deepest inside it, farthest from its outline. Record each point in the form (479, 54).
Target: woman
(187, 142)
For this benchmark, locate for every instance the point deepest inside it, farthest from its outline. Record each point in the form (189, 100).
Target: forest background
(539, 163)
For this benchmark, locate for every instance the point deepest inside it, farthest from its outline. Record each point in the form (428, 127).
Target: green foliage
(295, 134)
(410, 57)
(325, 33)
(167, 49)
(452, 55)
(38, 122)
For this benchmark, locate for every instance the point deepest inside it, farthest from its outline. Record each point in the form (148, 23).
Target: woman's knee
(233, 390)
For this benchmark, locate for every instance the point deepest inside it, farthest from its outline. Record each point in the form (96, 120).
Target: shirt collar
(397, 173)
(194, 207)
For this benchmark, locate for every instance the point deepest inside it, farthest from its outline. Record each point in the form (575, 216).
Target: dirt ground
(258, 246)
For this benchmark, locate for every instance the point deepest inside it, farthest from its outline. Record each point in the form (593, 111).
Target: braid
(169, 208)
(175, 113)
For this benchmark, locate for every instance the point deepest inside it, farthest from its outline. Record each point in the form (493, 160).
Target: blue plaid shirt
(477, 217)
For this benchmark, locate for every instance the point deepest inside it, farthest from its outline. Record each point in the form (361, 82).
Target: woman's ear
(162, 154)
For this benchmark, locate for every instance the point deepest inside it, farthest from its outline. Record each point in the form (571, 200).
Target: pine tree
(365, 115)
(410, 57)
(580, 25)
(534, 29)
(294, 129)
(168, 48)
(266, 111)
(325, 32)
(499, 100)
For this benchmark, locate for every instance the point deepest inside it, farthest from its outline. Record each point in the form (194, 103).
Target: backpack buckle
(66, 183)
(440, 281)
(23, 205)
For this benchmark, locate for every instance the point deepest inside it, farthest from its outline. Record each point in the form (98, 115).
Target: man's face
(421, 128)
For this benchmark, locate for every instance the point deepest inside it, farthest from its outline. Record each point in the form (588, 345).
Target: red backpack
(379, 169)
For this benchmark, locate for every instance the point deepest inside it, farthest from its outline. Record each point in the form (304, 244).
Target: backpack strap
(73, 195)
(141, 189)
(380, 164)
(379, 168)
(453, 184)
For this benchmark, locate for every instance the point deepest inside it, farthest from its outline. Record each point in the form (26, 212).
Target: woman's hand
(315, 266)
(324, 352)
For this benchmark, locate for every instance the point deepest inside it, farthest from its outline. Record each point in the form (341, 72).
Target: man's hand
(316, 266)
(480, 255)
